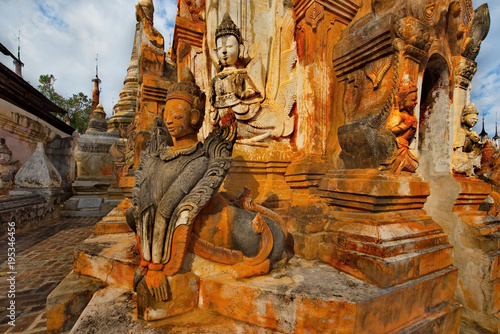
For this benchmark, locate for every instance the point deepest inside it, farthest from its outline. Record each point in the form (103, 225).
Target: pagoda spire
(496, 137)
(483, 133)
(96, 91)
(18, 64)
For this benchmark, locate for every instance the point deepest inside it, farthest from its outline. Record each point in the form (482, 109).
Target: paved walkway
(44, 256)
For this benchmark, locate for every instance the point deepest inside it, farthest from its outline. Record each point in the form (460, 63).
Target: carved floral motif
(314, 15)
(417, 36)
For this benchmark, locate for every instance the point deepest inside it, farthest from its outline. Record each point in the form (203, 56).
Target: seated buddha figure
(240, 87)
(467, 147)
(176, 207)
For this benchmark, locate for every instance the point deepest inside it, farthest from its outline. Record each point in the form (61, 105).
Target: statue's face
(227, 50)
(178, 117)
(410, 102)
(471, 120)
(4, 158)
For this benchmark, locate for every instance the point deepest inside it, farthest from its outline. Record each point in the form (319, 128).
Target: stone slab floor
(44, 256)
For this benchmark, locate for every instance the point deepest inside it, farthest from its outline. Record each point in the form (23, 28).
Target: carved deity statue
(176, 206)
(8, 168)
(403, 124)
(240, 87)
(467, 147)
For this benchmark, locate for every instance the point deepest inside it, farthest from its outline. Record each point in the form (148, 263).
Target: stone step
(68, 300)
(390, 271)
(108, 257)
(113, 310)
(114, 221)
(441, 319)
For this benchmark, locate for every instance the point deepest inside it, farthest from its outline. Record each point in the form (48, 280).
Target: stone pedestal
(94, 170)
(476, 238)
(302, 296)
(380, 233)
(184, 291)
(472, 194)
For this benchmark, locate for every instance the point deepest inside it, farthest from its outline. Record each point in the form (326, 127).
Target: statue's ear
(195, 118)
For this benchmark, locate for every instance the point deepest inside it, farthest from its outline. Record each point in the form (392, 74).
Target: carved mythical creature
(240, 87)
(467, 148)
(176, 205)
(403, 124)
(477, 31)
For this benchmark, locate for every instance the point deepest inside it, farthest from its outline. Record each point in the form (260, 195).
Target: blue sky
(62, 37)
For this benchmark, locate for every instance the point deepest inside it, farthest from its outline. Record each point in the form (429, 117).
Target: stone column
(464, 69)
(318, 29)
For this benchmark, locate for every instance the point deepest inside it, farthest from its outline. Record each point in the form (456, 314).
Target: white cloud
(62, 37)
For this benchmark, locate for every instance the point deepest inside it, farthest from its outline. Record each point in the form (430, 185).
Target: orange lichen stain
(106, 170)
(125, 205)
(111, 228)
(496, 298)
(495, 268)
(219, 296)
(319, 316)
(56, 317)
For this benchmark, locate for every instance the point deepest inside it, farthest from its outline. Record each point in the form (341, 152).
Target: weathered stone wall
(22, 132)
(28, 211)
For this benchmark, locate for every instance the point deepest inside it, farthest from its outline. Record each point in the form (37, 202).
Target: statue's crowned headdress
(187, 89)
(467, 110)
(406, 87)
(227, 27)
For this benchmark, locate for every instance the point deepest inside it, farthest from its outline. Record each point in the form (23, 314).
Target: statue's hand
(248, 93)
(474, 137)
(157, 284)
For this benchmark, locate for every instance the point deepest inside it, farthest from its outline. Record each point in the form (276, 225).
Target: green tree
(78, 106)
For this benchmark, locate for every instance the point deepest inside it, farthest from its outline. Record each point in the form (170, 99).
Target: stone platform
(301, 296)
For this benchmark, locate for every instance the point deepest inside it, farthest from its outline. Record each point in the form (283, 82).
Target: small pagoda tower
(495, 137)
(483, 133)
(96, 90)
(94, 163)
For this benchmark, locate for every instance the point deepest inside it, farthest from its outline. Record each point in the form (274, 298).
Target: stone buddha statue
(467, 147)
(403, 124)
(240, 87)
(176, 206)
